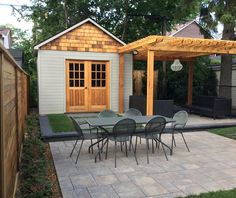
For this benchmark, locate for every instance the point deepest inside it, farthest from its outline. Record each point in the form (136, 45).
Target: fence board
(13, 110)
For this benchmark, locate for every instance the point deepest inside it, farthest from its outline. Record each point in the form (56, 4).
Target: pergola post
(190, 82)
(121, 83)
(150, 82)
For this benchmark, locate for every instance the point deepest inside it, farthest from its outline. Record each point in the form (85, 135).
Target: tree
(225, 13)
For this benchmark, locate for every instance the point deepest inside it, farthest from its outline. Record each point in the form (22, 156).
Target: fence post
(2, 146)
(17, 118)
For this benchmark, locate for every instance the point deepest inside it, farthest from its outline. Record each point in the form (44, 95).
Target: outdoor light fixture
(176, 65)
(135, 52)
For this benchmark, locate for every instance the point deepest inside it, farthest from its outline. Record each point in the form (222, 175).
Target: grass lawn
(218, 194)
(60, 123)
(229, 132)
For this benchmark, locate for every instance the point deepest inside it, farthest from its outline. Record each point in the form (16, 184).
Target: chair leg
(159, 142)
(73, 148)
(126, 153)
(134, 153)
(115, 152)
(140, 140)
(106, 148)
(130, 142)
(92, 146)
(185, 141)
(121, 147)
(152, 146)
(136, 140)
(147, 150)
(79, 151)
(164, 150)
(174, 141)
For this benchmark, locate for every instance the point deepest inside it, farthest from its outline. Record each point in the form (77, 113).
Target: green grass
(218, 194)
(229, 132)
(60, 123)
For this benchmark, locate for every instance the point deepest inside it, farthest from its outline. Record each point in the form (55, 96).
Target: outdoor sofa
(160, 107)
(212, 106)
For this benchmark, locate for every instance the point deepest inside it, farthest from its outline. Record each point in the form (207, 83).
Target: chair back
(125, 127)
(77, 127)
(181, 118)
(132, 112)
(155, 126)
(107, 114)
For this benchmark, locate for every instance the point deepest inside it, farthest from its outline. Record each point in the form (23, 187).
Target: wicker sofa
(160, 107)
(212, 106)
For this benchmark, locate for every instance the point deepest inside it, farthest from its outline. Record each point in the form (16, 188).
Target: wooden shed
(78, 71)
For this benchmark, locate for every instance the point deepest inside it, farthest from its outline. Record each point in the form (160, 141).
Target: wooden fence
(138, 76)
(13, 110)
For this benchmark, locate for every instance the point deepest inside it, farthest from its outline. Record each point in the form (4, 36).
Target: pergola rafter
(167, 48)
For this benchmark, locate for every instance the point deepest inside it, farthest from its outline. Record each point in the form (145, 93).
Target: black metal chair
(122, 132)
(107, 114)
(181, 118)
(132, 112)
(152, 131)
(83, 134)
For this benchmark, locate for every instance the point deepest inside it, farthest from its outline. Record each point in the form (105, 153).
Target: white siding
(52, 71)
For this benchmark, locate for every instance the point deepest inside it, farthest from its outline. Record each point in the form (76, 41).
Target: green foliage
(60, 123)
(33, 169)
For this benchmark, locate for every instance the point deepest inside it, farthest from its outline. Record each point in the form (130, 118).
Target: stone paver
(210, 166)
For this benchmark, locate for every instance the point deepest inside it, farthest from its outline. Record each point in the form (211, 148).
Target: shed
(78, 70)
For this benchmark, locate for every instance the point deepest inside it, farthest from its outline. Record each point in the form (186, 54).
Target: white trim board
(75, 26)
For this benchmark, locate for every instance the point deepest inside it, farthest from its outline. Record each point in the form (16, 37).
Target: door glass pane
(103, 75)
(98, 67)
(76, 74)
(93, 67)
(81, 83)
(98, 83)
(76, 83)
(93, 75)
(71, 74)
(93, 83)
(98, 75)
(82, 75)
(76, 66)
(82, 67)
(71, 83)
(103, 67)
(103, 83)
(71, 66)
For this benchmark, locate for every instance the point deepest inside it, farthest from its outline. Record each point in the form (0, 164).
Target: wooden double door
(87, 86)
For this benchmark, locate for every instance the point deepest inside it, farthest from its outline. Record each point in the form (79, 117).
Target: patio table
(111, 121)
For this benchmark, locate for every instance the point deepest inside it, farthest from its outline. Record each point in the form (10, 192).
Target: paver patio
(210, 166)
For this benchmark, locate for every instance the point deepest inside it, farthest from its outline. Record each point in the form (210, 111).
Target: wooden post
(150, 82)
(121, 83)
(2, 146)
(190, 82)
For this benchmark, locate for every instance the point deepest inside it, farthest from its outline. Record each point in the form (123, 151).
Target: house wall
(52, 73)
(192, 31)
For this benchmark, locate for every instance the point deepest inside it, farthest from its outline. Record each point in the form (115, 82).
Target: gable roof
(75, 26)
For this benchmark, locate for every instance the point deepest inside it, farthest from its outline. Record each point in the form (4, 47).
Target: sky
(6, 16)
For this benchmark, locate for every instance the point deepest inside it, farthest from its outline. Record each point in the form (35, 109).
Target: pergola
(165, 48)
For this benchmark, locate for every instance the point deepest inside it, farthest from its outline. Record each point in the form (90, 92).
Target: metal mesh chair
(132, 112)
(122, 132)
(152, 131)
(181, 118)
(82, 134)
(107, 113)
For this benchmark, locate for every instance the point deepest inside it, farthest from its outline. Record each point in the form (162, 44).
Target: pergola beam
(190, 83)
